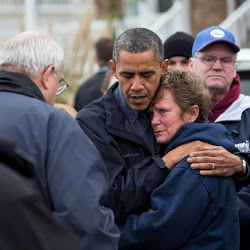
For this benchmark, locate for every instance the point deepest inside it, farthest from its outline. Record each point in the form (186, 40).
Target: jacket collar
(116, 122)
(213, 133)
(225, 103)
(19, 83)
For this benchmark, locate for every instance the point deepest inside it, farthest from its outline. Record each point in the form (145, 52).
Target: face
(179, 61)
(216, 77)
(138, 75)
(166, 118)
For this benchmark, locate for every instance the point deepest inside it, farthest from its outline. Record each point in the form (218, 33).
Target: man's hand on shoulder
(215, 160)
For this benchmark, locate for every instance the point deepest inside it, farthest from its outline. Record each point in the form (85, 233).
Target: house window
(164, 5)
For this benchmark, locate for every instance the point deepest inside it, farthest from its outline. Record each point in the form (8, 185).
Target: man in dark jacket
(69, 170)
(90, 90)
(119, 125)
(25, 222)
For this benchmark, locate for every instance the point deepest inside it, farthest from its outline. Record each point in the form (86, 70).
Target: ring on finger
(213, 167)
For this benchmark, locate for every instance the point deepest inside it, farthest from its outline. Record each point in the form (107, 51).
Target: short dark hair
(187, 89)
(104, 48)
(137, 40)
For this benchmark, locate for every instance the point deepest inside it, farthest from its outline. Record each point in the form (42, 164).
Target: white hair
(31, 52)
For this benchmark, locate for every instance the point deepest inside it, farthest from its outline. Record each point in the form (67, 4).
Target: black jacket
(89, 91)
(25, 223)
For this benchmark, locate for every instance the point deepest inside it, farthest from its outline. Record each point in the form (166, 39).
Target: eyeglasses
(211, 60)
(61, 88)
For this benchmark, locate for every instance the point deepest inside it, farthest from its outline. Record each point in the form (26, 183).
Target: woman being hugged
(189, 211)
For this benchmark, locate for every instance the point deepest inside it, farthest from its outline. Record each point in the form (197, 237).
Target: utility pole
(30, 14)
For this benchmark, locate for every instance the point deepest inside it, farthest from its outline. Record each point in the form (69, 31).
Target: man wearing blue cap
(214, 60)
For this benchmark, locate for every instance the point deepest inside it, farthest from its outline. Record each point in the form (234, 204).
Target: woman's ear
(45, 76)
(194, 113)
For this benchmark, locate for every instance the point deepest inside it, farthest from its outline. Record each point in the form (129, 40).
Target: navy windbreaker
(188, 211)
(70, 172)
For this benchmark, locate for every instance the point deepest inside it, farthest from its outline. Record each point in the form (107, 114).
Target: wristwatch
(244, 166)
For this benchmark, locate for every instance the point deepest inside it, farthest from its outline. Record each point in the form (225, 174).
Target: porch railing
(238, 22)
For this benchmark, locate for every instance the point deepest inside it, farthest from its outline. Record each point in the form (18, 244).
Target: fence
(239, 24)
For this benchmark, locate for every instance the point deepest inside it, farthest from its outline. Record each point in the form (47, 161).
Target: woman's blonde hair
(66, 108)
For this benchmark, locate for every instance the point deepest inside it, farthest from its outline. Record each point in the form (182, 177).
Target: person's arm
(132, 179)
(223, 162)
(78, 182)
(133, 172)
(143, 178)
(175, 155)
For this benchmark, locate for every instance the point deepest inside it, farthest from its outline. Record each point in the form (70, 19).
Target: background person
(25, 222)
(69, 170)
(189, 211)
(213, 59)
(178, 49)
(89, 91)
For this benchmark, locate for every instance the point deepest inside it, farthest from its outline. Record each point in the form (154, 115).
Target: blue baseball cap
(212, 35)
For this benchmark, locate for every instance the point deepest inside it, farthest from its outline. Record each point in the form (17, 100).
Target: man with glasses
(214, 56)
(63, 85)
(69, 170)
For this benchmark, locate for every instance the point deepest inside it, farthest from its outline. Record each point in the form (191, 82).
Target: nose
(178, 64)
(217, 65)
(155, 119)
(137, 84)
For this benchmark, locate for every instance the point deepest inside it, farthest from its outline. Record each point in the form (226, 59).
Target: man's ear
(113, 67)
(164, 66)
(191, 64)
(235, 72)
(45, 75)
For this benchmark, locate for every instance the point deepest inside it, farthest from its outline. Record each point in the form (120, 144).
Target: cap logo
(217, 33)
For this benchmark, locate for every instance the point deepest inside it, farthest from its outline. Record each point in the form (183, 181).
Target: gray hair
(138, 40)
(30, 53)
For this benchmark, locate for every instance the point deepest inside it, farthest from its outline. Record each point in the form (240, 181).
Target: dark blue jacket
(237, 121)
(90, 90)
(189, 211)
(134, 172)
(70, 172)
